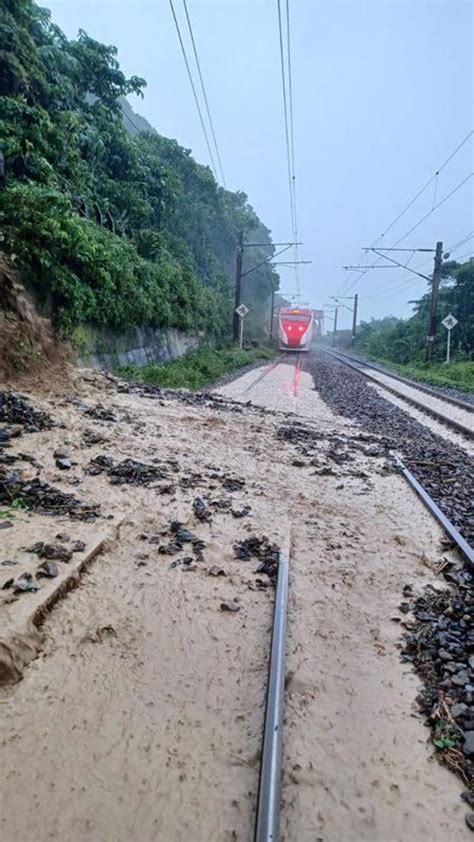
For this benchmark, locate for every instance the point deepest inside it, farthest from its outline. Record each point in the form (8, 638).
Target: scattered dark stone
(51, 551)
(90, 438)
(61, 454)
(189, 565)
(137, 473)
(260, 548)
(63, 536)
(100, 413)
(243, 512)
(230, 606)
(183, 535)
(47, 569)
(172, 548)
(200, 510)
(99, 464)
(468, 742)
(78, 546)
(7, 584)
(469, 818)
(468, 797)
(6, 524)
(198, 549)
(38, 496)
(64, 464)
(233, 484)
(16, 410)
(9, 563)
(25, 583)
(215, 570)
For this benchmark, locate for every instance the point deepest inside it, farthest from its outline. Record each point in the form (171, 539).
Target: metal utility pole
(272, 310)
(238, 287)
(239, 274)
(353, 310)
(335, 327)
(354, 318)
(438, 261)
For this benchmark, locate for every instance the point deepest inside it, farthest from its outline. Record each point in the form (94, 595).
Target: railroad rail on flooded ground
(267, 822)
(287, 358)
(463, 425)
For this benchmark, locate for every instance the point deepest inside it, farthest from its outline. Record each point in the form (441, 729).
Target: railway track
(267, 821)
(284, 358)
(437, 406)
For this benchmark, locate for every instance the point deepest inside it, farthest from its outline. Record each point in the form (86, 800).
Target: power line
(457, 245)
(417, 196)
(435, 207)
(196, 100)
(211, 124)
(420, 221)
(292, 135)
(291, 187)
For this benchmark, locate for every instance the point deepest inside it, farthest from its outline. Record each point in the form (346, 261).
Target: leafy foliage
(109, 227)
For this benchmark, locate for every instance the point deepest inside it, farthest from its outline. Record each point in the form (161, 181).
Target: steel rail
(449, 528)
(267, 370)
(422, 387)
(444, 419)
(267, 824)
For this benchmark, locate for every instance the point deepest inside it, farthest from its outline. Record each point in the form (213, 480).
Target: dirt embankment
(29, 349)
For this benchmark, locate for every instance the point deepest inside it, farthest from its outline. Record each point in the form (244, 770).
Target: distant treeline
(109, 227)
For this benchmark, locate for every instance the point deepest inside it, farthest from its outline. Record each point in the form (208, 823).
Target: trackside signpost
(241, 311)
(449, 322)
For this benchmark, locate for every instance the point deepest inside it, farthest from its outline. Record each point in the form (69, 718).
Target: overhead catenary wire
(417, 224)
(289, 136)
(204, 94)
(412, 201)
(292, 135)
(193, 88)
(462, 242)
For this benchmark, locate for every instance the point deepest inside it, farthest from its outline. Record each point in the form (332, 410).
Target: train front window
(296, 317)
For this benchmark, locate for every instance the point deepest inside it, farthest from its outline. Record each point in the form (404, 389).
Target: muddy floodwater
(140, 717)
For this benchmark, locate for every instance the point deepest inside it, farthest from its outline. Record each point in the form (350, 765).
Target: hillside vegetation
(109, 227)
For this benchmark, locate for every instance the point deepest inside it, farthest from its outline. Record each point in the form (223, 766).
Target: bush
(196, 369)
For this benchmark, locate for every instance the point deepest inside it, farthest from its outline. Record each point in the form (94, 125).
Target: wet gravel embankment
(439, 628)
(443, 468)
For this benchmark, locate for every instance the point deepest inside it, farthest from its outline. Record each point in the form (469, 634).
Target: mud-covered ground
(141, 717)
(440, 630)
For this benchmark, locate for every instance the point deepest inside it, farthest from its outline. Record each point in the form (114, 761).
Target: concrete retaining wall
(105, 348)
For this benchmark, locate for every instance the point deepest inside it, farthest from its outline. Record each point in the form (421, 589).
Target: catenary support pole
(354, 317)
(434, 301)
(238, 287)
(334, 327)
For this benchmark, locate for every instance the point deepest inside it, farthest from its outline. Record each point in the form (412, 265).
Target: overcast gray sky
(383, 94)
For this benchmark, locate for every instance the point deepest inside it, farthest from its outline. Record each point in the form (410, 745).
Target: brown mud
(141, 718)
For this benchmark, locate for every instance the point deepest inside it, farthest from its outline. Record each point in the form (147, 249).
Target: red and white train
(295, 329)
